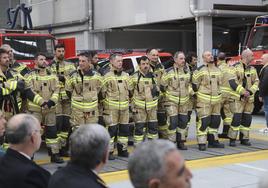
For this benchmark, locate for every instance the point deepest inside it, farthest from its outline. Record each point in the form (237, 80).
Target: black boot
(180, 142)
(111, 156)
(64, 152)
(121, 152)
(55, 158)
(224, 133)
(232, 143)
(181, 145)
(245, 142)
(202, 147)
(212, 143)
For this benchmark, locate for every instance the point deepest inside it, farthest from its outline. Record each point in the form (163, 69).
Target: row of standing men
(159, 101)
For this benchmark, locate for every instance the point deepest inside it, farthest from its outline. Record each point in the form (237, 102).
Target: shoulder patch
(72, 72)
(200, 67)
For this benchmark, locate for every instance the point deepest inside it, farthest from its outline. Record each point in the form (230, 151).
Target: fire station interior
(234, 167)
(228, 32)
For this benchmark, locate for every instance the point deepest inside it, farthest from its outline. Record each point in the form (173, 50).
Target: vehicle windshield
(259, 39)
(25, 47)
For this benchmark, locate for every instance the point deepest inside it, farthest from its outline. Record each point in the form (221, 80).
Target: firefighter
(191, 60)
(158, 70)
(22, 69)
(46, 85)
(63, 109)
(226, 113)
(83, 87)
(244, 85)
(206, 83)
(95, 60)
(177, 87)
(115, 92)
(145, 99)
(11, 84)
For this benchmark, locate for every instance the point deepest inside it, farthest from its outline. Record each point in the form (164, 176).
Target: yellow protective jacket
(84, 89)
(115, 90)
(62, 68)
(145, 90)
(45, 86)
(207, 81)
(227, 75)
(246, 78)
(9, 89)
(177, 86)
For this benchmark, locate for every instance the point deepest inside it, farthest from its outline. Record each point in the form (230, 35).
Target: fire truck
(27, 43)
(258, 43)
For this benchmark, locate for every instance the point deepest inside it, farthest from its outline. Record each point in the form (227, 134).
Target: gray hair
(148, 162)
(89, 145)
(19, 127)
(177, 54)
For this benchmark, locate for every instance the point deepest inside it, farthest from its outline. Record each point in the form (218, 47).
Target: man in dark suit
(16, 167)
(89, 152)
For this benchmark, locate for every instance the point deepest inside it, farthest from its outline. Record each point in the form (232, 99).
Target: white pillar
(203, 36)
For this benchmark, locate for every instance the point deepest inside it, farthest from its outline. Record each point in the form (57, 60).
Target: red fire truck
(27, 43)
(258, 43)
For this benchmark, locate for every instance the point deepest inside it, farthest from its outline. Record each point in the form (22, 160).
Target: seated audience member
(2, 130)
(16, 167)
(89, 146)
(158, 163)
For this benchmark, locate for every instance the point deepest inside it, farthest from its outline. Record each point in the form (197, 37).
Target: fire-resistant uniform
(83, 89)
(115, 92)
(46, 87)
(158, 69)
(226, 114)
(246, 78)
(22, 70)
(63, 109)
(192, 101)
(207, 81)
(144, 100)
(11, 84)
(177, 87)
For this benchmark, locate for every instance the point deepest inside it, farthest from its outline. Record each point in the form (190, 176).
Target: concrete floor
(232, 170)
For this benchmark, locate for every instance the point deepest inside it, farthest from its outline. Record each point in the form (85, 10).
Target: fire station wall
(169, 41)
(121, 13)
(46, 12)
(4, 5)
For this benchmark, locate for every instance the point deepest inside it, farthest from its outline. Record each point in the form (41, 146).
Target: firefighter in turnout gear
(226, 114)
(63, 109)
(244, 88)
(46, 85)
(11, 83)
(145, 94)
(207, 81)
(178, 90)
(191, 60)
(158, 70)
(22, 70)
(115, 92)
(83, 88)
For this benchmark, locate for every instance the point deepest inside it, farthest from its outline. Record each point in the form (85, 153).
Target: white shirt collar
(25, 155)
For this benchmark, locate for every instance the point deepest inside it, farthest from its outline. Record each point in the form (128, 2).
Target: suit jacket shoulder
(18, 171)
(75, 176)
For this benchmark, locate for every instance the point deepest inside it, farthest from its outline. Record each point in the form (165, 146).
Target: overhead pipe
(225, 13)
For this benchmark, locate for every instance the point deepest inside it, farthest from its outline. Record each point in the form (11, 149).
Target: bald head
(19, 127)
(207, 57)
(247, 56)
(264, 59)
